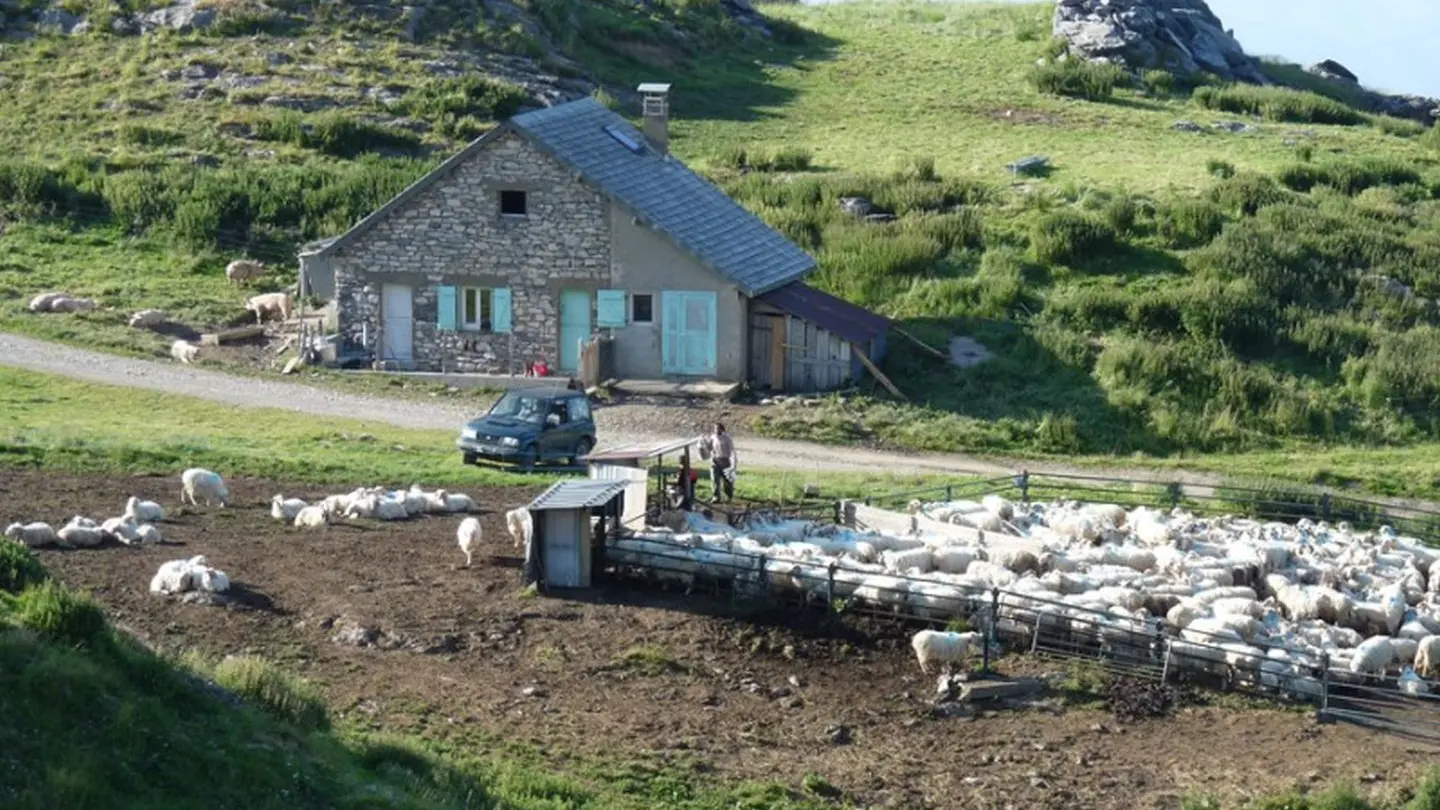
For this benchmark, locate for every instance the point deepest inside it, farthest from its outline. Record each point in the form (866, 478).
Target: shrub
(19, 567)
(1220, 168)
(1091, 308)
(274, 691)
(141, 135)
(1189, 223)
(1077, 78)
(1306, 152)
(731, 157)
(1278, 104)
(1348, 177)
(957, 230)
(1067, 236)
(1399, 127)
(920, 167)
(1246, 193)
(480, 96)
(609, 101)
(790, 159)
(1001, 282)
(1120, 213)
(1158, 82)
(60, 614)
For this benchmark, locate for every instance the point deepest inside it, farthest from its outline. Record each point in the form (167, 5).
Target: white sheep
(1372, 656)
(998, 506)
(242, 270)
(31, 534)
(943, 648)
(199, 483)
(43, 301)
(144, 511)
(80, 535)
(434, 502)
(147, 318)
(1427, 655)
(270, 304)
(122, 529)
(178, 576)
(185, 351)
(456, 502)
(916, 560)
(415, 502)
(335, 505)
(283, 508)
(468, 536)
(66, 303)
(521, 525)
(149, 534)
(311, 517)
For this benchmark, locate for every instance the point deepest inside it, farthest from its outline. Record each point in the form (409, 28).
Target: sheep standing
(932, 646)
(243, 270)
(144, 511)
(147, 319)
(521, 525)
(200, 483)
(468, 536)
(31, 535)
(270, 304)
(1427, 655)
(185, 351)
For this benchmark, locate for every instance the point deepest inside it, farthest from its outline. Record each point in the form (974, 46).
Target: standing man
(720, 449)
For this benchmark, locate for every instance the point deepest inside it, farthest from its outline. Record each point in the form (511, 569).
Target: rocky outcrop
(1182, 36)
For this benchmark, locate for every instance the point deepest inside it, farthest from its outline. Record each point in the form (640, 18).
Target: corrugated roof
(853, 323)
(639, 452)
(667, 196)
(577, 494)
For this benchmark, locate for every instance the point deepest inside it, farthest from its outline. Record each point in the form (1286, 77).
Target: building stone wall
(453, 233)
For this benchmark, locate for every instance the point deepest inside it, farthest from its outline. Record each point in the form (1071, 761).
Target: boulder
(183, 17)
(1330, 69)
(1182, 36)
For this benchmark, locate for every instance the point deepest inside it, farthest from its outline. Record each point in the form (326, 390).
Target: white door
(562, 547)
(398, 331)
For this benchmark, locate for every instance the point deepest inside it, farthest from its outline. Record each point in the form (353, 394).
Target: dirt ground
(631, 672)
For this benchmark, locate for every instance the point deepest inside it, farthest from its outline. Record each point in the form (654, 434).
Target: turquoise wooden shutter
(610, 308)
(445, 308)
(500, 310)
(672, 317)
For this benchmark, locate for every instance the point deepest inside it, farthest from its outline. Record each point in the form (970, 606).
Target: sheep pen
(383, 617)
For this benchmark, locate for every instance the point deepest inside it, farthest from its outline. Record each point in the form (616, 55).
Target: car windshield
(519, 406)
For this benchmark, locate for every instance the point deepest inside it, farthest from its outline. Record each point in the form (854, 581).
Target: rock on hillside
(1183, 36)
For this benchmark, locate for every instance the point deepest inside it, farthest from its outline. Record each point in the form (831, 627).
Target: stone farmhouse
(566, 224)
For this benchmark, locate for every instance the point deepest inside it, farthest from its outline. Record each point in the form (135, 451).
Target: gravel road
(616, 425)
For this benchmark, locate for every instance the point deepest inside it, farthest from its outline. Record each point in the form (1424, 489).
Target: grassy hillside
(1156, 291)
(94, 720)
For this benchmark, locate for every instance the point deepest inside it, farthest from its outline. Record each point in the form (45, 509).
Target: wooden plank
(922, 344)
(227, 335)
(779, 381)
(879, 375)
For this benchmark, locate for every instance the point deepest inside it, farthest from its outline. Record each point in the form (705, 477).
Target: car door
(553, 441)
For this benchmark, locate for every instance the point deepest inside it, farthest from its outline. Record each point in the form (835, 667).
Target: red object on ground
(541, 369)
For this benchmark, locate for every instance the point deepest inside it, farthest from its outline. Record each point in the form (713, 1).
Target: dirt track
(627, 671)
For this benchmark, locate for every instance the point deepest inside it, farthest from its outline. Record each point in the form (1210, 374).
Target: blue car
(530, 427)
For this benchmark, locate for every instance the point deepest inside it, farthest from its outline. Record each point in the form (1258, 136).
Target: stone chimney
(656, 107)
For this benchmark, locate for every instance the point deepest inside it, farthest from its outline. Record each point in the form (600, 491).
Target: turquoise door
(689, 332)
(574, 327)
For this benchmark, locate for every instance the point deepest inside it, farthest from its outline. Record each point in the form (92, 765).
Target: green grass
(93, 720)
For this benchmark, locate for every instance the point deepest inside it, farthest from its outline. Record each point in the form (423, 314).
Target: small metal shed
(571, 520)
(803, 339)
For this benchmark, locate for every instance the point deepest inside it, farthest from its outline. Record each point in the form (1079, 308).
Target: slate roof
(662, 192)
(578, 494)
(853, 323)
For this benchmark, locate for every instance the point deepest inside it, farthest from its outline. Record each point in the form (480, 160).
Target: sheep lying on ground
(200, 483)
(185, 351)
(122, 529)
(520, 524)
(242, 270)
(31, 534)
(932, 646)
(144, 511)
(311, 517)
(61, 302)
(468, 536)
(283, 508)
(149, 534)
(81, 533)
(42, 302)
(147, 318)
(270, 304)
(194, 574)
(457, 502)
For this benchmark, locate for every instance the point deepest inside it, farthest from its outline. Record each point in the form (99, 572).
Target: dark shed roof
(853, 323)
(578, 494)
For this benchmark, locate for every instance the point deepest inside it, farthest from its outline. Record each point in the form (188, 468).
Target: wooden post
(922, 344)
(879, 375)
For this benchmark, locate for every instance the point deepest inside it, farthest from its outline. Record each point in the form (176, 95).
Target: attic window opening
(626, 139)
(514, 203)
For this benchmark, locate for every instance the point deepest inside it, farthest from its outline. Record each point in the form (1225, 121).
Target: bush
(1120, 213)
(1306, 152)
(479, 96)
(732, 157)
(19, 567)
(1246, 193)
(61, 615)
(1348, 177)
(786, 159)
(1158, 82)
(273, 690)
(920, 168)
(1189, 223)
(1064, 237)
(1077, 78)
(1220, 168)
(1399, 127)
(1278, 104)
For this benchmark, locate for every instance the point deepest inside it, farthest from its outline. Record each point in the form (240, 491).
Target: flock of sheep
(136, 526)
(1255, 601)
(279, 304)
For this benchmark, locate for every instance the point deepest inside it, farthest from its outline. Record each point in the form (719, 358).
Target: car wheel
(471, 458)
(528, 457)
(582, 447)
